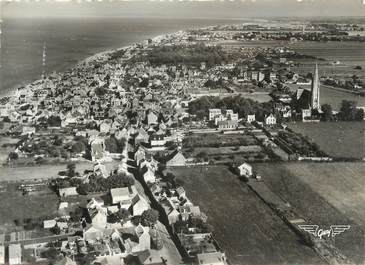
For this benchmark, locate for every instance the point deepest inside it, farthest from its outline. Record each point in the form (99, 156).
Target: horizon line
(185, 17)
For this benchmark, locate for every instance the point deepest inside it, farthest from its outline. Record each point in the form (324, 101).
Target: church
(308, 102)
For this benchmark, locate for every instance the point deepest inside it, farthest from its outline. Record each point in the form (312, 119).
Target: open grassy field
(228, 150)
(338, 139)
(324, 194)
(37, 172)
(44, 171)
(6, 147)
(218, 140)
(246, 228)
(224, 148)
(332, 51)
(15, 206)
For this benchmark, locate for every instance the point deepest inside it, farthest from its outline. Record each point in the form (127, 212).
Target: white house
(270, 120)
(15, 254)
(217, 116)
(91, 234)
(62, 225)
(306, 114)
(27, 130)
(99, 218)
(152, 118)
(149, 176)
(124, 196)
(97, 148)
(140, 206)
(173, 216)
(105, 126)
(70, 191)
(245, 170)
(231, 115)
(63, 205)
(142, 137)
(157, 140)
(48, 224)
(144, 239)
(287, 114)
(139, 155)
(251, 118)
(150, 163)
(4, 111)
(213, 113)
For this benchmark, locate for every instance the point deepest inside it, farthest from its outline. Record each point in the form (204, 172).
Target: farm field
(228, 150)
(6, 148)
(43, 171)
(332, 51)
(338, 139)
(37, 172)
(324, 194)
(245, 227)
(218, 140)
(223, 148)
(15, 206)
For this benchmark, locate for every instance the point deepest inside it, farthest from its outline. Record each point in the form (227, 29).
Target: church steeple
(315, 104)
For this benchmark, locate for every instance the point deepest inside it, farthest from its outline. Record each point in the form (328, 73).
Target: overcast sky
(191, 8)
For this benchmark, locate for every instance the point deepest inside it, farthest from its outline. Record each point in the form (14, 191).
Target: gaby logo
(332, 232)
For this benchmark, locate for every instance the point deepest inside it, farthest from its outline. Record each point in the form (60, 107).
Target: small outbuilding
(245, 170)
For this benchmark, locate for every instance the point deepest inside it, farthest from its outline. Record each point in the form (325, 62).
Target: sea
(68, 41)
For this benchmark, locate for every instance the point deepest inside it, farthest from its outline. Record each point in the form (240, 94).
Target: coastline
(8, 91)
(12, 91)
(97, 56)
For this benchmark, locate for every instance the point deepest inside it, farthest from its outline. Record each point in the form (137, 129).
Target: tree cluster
(327, 112)
(300, 144)
(350, 112)
(114, 145)
(99, 184)
(121, 214)
(54, 121)
(54, 147)
(240, 105)
(192, 55)
(95, 183)
(148, 218)
(214, 84)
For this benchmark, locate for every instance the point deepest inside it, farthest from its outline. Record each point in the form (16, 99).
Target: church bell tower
(315, 104)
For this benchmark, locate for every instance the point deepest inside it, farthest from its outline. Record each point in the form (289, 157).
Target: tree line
(193, 55)
(348, 112)
(243, 106)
